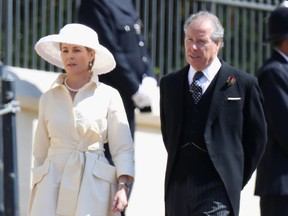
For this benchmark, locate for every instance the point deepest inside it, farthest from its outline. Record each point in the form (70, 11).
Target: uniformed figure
(272, 172)
(119, 29)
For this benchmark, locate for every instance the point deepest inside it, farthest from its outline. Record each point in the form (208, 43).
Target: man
(119, 29)
(214, 138)
(272, 173)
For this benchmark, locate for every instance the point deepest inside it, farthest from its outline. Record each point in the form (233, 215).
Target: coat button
(141, 44)
(144, 59)
(127, 28)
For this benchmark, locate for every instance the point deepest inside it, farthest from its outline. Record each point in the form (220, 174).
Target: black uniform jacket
(272, 172)
(119, 29)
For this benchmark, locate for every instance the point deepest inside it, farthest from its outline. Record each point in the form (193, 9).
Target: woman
(71, 175)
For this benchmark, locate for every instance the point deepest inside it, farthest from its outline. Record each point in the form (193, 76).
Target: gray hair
(218, 30)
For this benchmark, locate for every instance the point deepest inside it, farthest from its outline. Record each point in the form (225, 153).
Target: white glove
(143, 97)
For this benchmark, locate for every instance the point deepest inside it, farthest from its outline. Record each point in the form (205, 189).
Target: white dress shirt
(209, 73)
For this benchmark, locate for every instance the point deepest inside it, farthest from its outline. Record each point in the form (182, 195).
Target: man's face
(199, 47)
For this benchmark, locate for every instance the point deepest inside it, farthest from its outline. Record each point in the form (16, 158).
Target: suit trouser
(274, 205)
(189, 196)
(188, 200)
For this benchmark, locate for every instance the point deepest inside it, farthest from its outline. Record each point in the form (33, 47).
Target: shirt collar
(209, 72)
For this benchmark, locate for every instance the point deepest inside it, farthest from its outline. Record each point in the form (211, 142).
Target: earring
(90, 64)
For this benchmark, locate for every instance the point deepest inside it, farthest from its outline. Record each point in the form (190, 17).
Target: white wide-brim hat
(48, 47)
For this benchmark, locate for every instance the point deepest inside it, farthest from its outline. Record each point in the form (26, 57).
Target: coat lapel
(182, 78)
(175, 92)
(219, 94)
(278, 57)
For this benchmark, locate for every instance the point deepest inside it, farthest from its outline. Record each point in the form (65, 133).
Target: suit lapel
(177, 93)
(280, 58)
(219, 94)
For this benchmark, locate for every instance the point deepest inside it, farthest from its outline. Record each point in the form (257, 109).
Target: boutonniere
(230, 81)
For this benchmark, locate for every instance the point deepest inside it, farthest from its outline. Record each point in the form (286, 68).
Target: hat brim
(49, 49)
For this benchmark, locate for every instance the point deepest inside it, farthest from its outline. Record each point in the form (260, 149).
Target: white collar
(209, 72)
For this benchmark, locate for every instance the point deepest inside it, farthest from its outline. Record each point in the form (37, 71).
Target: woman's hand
(120, 201)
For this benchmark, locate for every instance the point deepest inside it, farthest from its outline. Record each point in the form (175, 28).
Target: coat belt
(72, 174)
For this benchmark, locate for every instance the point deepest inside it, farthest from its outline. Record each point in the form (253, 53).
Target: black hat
(278, 25)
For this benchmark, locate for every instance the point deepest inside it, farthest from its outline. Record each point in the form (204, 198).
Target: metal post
(11, 205)
(1, 153)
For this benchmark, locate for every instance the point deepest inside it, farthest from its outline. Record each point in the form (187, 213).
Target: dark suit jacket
(235, 132)
(272, 173)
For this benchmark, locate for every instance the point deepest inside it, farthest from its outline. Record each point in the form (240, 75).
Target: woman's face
(76, 58)
(200, 48)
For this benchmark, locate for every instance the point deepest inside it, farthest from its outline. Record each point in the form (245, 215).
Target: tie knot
(198, 75)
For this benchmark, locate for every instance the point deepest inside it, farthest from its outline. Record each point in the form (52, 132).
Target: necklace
(68, 87)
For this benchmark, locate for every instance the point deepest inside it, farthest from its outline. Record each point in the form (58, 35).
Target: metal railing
(23, 22)
(9, 199)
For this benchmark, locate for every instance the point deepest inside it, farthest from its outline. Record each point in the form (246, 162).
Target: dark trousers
(193, 200)
(274, 205)
(195, 188)
(130, 112)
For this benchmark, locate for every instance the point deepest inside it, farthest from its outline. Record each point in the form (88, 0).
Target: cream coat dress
(71, 176)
